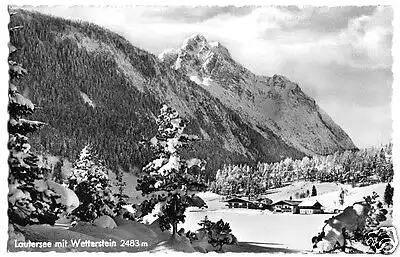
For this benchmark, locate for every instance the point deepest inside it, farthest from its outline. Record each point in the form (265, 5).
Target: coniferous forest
(357, 168)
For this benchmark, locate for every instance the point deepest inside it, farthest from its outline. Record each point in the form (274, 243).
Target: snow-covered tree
(30, 200)
(95, 195)
(81, 167)
(167, 180)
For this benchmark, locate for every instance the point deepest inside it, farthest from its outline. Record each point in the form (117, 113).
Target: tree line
(358, 168)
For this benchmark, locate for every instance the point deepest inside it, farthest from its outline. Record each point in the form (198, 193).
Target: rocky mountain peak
(204, 61)
(198, 45)
(268, 103)
(194, 42)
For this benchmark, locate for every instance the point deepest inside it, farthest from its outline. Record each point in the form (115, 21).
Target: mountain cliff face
(93, 86)
(266, 103)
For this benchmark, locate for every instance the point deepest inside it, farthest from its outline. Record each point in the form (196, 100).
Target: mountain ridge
(273, 102)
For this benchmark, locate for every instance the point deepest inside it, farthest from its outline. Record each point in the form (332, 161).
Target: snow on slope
(87, 100)
(284, 193)
(352, 195)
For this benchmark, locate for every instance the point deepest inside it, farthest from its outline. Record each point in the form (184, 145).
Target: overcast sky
(341, 56)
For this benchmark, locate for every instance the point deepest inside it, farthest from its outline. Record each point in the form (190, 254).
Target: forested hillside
(92, 86)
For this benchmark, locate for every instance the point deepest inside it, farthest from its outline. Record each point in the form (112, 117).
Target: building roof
(241, 200)
(264, 200)
(237, 200)
(310, 203)
(288, 202)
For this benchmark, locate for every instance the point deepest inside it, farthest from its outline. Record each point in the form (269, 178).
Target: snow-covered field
(266, 229)
(277, 230)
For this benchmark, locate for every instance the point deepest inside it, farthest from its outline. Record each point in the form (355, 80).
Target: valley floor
(256, 230)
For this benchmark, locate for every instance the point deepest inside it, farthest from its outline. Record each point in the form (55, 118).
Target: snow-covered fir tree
(30, 199)
(95, 195)
(81, 167)
(167, 180)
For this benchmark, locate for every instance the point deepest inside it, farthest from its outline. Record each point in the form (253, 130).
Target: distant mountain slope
(92, 85)
(268, 103)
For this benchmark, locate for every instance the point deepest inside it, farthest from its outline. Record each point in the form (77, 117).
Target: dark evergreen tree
(219, 234)
(313, 191)
(341, 197)
(57, 173)
(30, 199)
(205, 223)
(120, 197)
(168, 179)
(388, 195)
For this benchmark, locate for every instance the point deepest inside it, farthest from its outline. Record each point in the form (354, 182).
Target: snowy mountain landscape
(115, 149)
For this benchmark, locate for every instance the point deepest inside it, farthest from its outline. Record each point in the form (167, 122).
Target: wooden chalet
(243, 203)
(310, 207)
(286, 206)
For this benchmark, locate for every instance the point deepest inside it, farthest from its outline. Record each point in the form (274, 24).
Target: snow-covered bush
(355, 230)
(167, 179)
(29, 200)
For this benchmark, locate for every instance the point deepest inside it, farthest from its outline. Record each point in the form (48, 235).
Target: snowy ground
(280, 231)
(256, 230)
(266, 229)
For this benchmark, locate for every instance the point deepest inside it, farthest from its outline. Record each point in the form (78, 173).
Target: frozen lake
(292, 231)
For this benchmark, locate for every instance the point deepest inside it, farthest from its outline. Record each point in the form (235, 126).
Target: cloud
(196, 14)
(323, 19)
(370, 39)
(365, 41)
